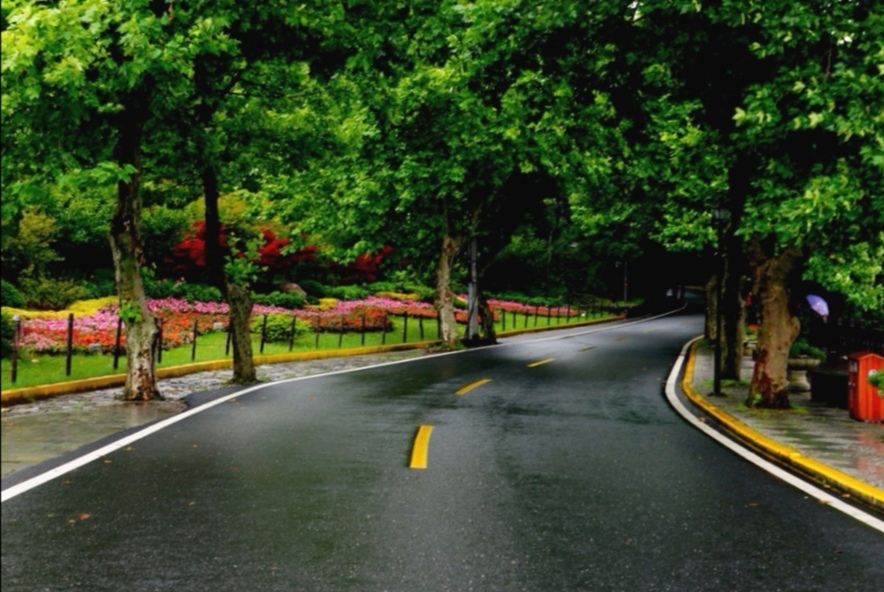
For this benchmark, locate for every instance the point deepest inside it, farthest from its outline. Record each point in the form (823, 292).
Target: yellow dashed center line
(540, 362)
(471, 386)
(421, 447)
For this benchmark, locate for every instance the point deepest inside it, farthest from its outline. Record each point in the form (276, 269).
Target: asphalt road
(566, 471)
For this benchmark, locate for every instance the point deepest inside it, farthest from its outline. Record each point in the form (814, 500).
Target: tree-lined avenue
(571, 475)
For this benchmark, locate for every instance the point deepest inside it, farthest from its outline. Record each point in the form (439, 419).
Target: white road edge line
(754, 458)
(42, 478)
(24, 486)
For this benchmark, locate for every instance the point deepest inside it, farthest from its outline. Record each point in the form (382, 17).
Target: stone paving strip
(815, 429)
(44, 429)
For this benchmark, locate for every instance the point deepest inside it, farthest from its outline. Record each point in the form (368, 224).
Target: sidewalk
(815, 438)
(48, 428)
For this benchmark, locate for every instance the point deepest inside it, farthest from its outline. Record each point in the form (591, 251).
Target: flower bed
(96, 330)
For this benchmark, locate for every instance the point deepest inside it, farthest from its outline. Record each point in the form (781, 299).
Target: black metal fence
(423, 328)
(841, 337)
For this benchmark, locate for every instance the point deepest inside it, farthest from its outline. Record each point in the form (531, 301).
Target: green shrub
(199, 293)
(801, 347)
(100, 287)
(313, 288)
(279, 327)
(424, 294)
(290, 300)
(162, 226)
(347, 292)
(51, 294)
(158, 288)
(188, 291)
(7, 332)
(10, 296)
(383, 287)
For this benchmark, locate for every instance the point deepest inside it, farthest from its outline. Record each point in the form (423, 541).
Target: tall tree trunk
(486, 320)
(777, 325)
(240, 302)
(733, 305)
(444, 301)
(711, 291)
(238, 298)
(142, 328)
(733, 311)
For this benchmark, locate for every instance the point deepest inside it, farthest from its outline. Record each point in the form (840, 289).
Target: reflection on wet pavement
(31, 438)
(35, 432)
(824, 432)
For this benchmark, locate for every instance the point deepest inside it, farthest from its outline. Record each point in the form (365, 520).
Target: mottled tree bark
(142, 328)
(486, 321)
(444, 301)
(711, 290)
(777, 327)
(240, 301)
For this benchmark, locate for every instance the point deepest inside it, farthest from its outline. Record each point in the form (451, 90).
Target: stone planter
(797, 373)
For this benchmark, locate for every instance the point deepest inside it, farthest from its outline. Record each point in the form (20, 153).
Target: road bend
(544, 463)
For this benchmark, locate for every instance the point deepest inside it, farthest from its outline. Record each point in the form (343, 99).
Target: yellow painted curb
(816, 470)
(33, 393)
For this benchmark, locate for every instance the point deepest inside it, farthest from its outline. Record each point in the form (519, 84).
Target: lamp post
(625, 266)
(473, 295)
(720, 213)
(16, 330)
(625, 281)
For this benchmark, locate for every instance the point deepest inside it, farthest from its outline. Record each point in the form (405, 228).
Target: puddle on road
(29, 439)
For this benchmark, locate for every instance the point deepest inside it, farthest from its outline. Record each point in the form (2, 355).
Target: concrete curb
(33, 393)
(114, 380)
(772, 450)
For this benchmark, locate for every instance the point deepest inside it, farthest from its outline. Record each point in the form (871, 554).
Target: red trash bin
(863, 401)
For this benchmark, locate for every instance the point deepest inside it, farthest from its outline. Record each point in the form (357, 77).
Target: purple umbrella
(818, 305)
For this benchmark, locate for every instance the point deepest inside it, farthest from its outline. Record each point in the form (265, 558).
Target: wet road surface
(566, 470)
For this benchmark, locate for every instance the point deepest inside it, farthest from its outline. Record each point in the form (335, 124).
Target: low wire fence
(205, 337)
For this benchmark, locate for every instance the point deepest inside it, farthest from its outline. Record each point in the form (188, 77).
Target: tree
(774, 112)
(87, 70)
(462, 105)
(253, 91)
(75, 75)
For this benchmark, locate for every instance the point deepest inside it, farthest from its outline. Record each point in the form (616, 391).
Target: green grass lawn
(34, 370)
